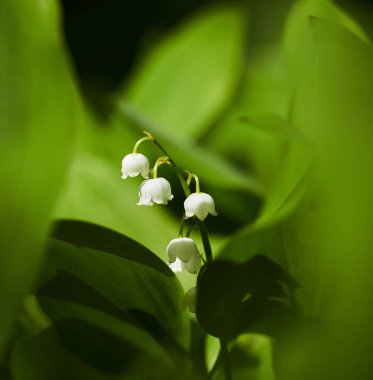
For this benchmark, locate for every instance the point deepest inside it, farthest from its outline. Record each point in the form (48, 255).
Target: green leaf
(39, 108)
(96, 193)
(298, 38)
(190, 76)
(126, 334)
(236, 298)
(41, 357)
(297, 155)
(129, 276)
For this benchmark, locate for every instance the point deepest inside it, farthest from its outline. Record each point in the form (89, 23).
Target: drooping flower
(183, 254)
(190, 300)
(183, 248)
(156, 190)
(134, 164)
(199, 205)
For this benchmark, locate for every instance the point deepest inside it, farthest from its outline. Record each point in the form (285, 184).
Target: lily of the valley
(183, 254)
(200, 205)
(134, 164)
(156, 190)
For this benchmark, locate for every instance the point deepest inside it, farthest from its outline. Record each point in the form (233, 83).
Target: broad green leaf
(128, 275)
(248, 297)
(189, 77)
(96, 193)
(334, 107)
(298, 38)
(130, 334)
(293, 243)
(39, 108)
(42, 357)
(280, 151)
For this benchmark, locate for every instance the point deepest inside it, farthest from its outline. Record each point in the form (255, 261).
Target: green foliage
(233, 299)
(278, 129)
(140, 284)
(191, 75)
(39, 109)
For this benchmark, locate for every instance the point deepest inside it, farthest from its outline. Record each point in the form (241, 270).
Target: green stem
(146, 138)
(196, 179)
(181, 228)
(177, 170)
(159, 162)
(184, 184)
(226, 362)
(205, 240)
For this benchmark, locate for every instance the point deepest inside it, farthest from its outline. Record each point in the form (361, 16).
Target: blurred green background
(270, 102)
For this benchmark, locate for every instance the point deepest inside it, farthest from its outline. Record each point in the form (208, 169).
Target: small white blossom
(190, 300)
(183, 248)
(199, 205)
(183, 254)
(156, 190)
(134, 164)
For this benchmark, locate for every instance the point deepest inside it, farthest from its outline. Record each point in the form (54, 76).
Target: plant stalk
(226, 361)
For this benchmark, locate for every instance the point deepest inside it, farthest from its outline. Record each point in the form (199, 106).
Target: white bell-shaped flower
(183, 248)
(183, 254)
(156, 190)
(134, 164)
(190, 300)
(199, 205)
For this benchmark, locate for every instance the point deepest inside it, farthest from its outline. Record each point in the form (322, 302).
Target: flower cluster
(182, 252)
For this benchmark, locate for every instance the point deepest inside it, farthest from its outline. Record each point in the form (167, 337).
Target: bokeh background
(270, 102)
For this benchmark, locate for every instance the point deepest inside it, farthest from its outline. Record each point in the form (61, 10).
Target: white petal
(177, 266)
(145, 194)
(193, 265)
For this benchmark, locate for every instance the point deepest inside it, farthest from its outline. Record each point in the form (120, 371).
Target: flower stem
(226, 362)
(205, 240)
(181, 228)
(159, 162)
(177, 170)
(148, 137)
(185, 186)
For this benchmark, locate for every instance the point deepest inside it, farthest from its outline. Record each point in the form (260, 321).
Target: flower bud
(156, 190)
(190, 300)
(199, 205)
(134, 164)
